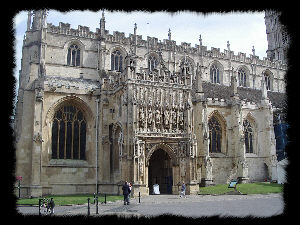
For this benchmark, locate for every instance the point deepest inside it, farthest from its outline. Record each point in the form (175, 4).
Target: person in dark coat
(126, 192)
(51, 206)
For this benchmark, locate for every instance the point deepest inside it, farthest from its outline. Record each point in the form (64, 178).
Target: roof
(210, 90)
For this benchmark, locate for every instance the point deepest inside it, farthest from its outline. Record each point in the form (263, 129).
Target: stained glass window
(267, 81)
(68, 133)
(215, 135)
(248, 133)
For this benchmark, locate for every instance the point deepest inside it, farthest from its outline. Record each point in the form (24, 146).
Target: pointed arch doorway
(160, 172)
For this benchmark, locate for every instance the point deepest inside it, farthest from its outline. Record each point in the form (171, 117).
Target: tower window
(242, 78)
(152, 63)
(116, 61)
(215, 74)
(73, 58)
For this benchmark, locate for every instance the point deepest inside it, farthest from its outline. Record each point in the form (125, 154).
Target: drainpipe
(97, 119)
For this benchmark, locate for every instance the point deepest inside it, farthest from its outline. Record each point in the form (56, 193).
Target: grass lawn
(248, 188)
(70, 199)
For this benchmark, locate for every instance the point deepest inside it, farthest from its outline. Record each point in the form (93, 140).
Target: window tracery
(215, 74)
(248, 135)
(267, 79)
(152, 63)
(117, 61)
(242, 78)
(73, 57)
(68, 133)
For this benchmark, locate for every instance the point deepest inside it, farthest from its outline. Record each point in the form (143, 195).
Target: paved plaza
(257, 205)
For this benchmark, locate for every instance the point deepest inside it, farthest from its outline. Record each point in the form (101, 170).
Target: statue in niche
(150, 76)
(166, 119)
(181, 120)
(141, 117)
(141, 94)
(174, 119)
(150, 98)
(150, 118)
(120, 143)
(39, 95)
(157, 118)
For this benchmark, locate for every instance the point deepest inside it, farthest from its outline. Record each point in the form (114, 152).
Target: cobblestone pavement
(191, 206)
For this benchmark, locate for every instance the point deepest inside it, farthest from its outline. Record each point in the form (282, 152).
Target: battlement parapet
(153, 43)
(64, 28)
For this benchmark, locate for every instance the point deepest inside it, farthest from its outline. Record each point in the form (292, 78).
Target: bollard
(96, 204)
(94, 198)
(88, 206)
(40, 206)
(139, 197)
(19, 189)
(104, 198)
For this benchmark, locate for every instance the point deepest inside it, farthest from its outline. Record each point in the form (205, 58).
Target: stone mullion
(161, 110)
(79, 135)
(58, 133)
(72, 130)
(65, 144)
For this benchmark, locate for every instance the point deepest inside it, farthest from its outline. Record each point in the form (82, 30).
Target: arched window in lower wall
(68, 133)
(248, 133)
(215, 135)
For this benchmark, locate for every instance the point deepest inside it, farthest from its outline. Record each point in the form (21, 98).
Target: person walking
(126, 192)
(51, 206)
(130, 189)
(183, 187)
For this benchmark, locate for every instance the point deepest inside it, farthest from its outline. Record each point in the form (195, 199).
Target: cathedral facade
(96, 109)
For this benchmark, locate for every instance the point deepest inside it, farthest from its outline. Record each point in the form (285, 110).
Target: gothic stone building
(95, 109)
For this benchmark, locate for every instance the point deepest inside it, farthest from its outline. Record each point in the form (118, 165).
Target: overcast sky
(242, 29)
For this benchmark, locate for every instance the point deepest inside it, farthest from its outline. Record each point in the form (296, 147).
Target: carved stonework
(38, 138)
(39, 95)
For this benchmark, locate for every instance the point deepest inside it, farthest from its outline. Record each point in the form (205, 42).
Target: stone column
(36, 155)
(238, 133)
(206, 176)
(269, 142)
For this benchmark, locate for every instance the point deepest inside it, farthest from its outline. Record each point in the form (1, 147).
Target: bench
(233, 184)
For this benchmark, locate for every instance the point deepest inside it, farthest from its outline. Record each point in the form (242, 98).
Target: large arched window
(68, 133)
(152, 63)
(73, 58)
(248, 134)
(242, 78)
(215, 74)
(117, 61)
(215, 135)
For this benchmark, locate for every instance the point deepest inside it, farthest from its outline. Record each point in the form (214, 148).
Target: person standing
(126, 192)
(183, 187)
